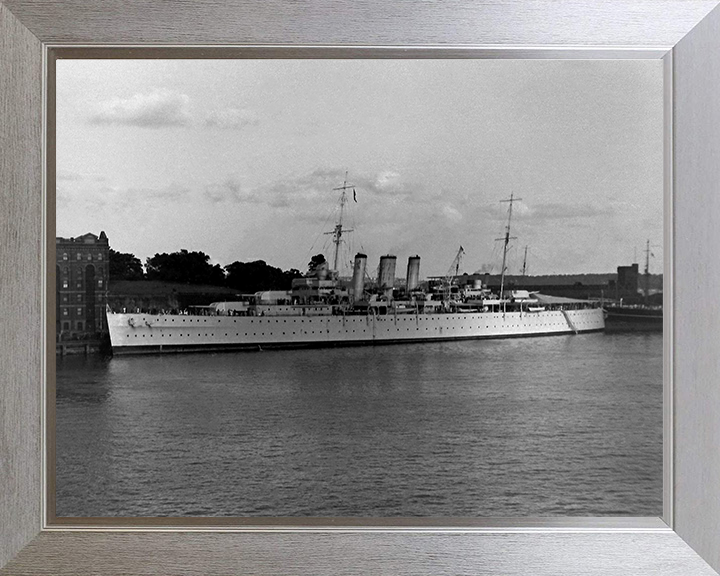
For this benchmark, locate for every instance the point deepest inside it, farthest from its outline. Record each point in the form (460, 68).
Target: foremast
(647, 271)
(337, 232)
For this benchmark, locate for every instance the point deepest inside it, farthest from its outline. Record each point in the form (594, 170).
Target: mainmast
(524, 268)
(338, 230)
(647, 271)
(506, 241)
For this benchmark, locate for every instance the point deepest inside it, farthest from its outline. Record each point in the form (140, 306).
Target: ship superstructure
(321, 310)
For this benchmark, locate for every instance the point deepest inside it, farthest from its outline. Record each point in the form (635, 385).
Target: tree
(124, 266)
(250, 277)
(315, 262)
(186, 267)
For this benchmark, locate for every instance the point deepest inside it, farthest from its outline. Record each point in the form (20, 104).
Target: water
(564, 425)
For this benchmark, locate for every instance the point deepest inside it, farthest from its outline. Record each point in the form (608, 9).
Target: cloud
(541, 213)
(556, 211)
(311, 196)
(388, 181)
(451, 213)
(305, 194)
(86, 197)
(157, 109)
(172, 191)
(231, 119)
(232, 190)
(70, 176)
(229, 190)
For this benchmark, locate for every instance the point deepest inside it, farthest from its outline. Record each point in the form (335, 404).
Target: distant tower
(627, 281)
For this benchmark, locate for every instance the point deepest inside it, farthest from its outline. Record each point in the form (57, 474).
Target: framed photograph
(546, 146)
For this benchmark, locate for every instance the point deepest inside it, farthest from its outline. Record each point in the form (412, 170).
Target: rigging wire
(309, 253)
(346, 242)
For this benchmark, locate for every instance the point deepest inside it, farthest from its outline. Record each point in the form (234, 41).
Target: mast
(524, 268)
(338, 230)
(647, 271)
(506, 241)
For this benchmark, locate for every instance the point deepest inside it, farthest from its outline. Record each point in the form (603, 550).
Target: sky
(239, 158)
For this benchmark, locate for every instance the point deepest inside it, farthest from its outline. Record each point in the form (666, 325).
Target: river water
(556, 426)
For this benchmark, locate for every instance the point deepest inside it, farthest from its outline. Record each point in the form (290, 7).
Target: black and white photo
(359, 288)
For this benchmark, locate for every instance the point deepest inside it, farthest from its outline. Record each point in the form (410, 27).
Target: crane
(452, 273)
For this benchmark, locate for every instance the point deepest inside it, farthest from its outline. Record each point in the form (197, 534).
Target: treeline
(194, 268)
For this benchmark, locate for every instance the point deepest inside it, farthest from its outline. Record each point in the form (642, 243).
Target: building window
(79, 297)
(89, 257)
(99, 256)
(79, 311)
(100, 283)
(65, 256)
(64, 298)
(79, 256)
(65, 311)
(79, 325)
(65, 283)
(66, 325)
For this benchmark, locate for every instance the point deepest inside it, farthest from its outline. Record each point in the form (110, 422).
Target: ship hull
(146, 333)
(634, 319)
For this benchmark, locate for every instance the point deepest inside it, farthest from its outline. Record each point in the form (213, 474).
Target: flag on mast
(354, 196)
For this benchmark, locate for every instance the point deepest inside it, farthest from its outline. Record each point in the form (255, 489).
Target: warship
(321, 310)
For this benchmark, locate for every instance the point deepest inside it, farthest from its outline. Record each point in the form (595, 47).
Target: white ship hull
(147, 333)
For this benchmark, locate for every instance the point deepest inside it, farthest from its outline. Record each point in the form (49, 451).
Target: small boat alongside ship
(634, 317)
(320, 310)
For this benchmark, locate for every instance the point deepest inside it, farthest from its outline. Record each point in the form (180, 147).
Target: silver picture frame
(686, 540)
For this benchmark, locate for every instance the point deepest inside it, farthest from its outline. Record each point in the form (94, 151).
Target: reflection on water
(566, 425)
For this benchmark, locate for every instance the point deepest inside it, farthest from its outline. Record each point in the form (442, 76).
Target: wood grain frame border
(689, 31)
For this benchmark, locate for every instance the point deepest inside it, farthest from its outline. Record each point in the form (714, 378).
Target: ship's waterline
(137, 333)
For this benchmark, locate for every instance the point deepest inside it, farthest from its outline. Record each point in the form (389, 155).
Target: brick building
(82, 275)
